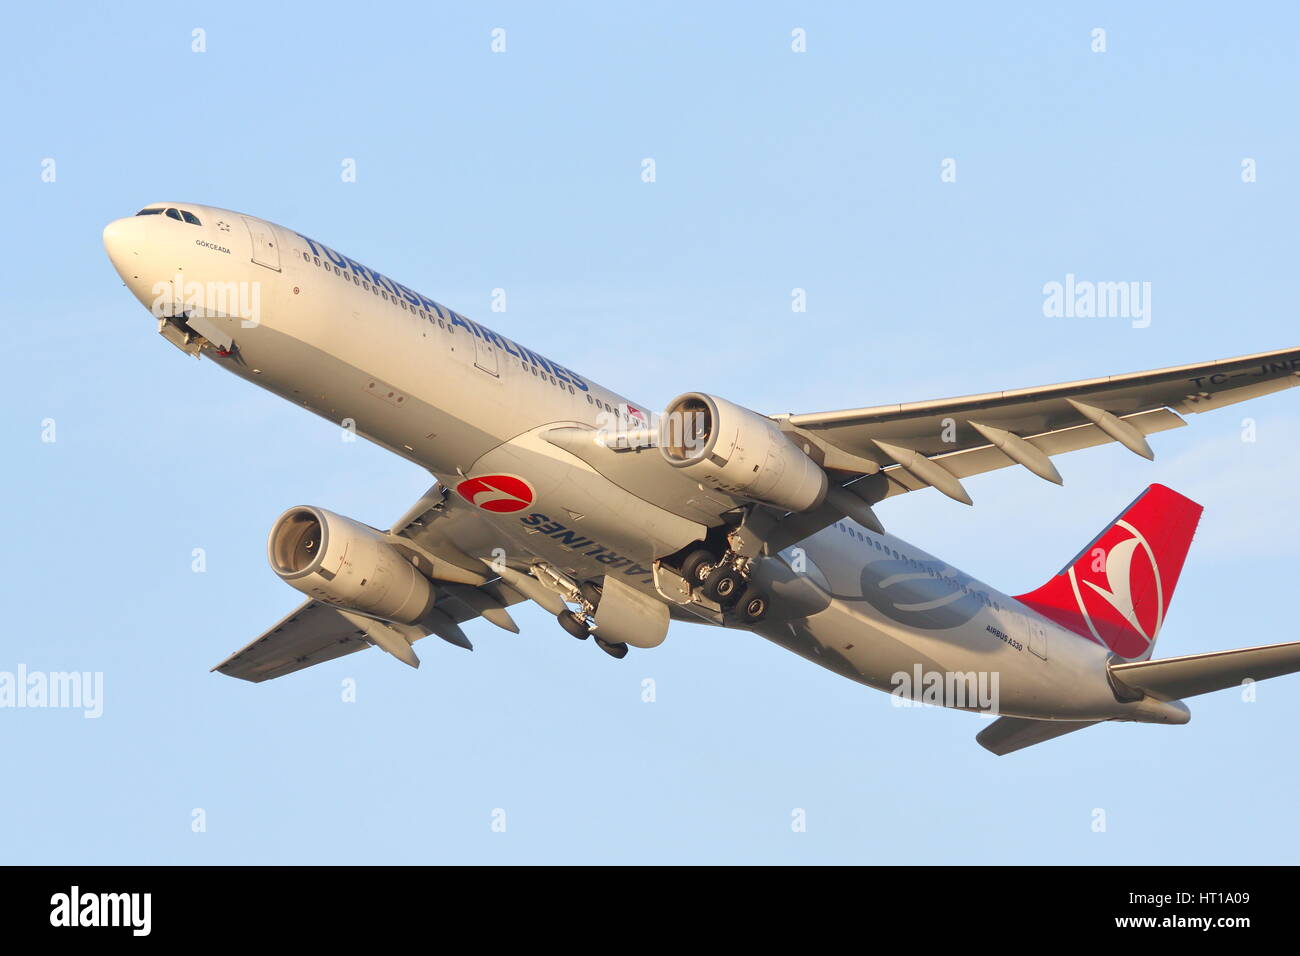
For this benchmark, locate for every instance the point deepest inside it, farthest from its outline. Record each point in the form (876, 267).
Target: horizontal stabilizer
(1177, 677)
(1009, 734)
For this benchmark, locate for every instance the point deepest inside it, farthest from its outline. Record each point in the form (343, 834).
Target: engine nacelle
(728, 447)
(347, 564)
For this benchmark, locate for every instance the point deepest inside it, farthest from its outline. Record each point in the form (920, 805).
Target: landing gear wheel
(723, 585)
(574, 625)
(616, 651)
(752, 606)
(590, 592)
(695, 567)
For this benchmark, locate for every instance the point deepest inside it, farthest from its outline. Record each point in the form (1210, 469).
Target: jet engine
(347, 564)
(740, 452)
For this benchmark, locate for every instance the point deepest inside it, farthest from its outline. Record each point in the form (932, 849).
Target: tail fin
(1117, 589)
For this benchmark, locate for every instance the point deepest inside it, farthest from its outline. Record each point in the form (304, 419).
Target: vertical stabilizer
(1117, 590)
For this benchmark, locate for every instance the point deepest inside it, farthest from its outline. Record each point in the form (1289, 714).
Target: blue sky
(521, 170)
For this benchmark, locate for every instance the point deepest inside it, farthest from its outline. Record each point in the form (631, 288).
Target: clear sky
(522, 170)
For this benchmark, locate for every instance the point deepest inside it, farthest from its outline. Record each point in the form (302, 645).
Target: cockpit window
(180, 215)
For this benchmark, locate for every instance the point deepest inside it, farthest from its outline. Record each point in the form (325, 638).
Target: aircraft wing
(315, 632)
(903, 448)
(311, 633)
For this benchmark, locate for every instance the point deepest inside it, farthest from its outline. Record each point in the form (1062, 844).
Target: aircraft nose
(121, 242)
(133, 249)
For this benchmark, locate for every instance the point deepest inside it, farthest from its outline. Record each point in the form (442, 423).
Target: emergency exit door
(485, 355)
(265, 252)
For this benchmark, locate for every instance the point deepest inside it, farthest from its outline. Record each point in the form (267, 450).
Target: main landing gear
(723, 581)
(752, 606)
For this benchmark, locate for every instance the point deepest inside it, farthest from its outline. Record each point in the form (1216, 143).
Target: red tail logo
(1118, 589)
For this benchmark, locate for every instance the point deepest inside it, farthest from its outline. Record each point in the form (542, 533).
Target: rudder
(1117, 590)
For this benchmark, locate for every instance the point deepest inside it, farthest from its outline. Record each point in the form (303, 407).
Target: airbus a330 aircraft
(553, 489)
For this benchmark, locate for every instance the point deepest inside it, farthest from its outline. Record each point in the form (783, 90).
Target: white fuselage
(458, 399)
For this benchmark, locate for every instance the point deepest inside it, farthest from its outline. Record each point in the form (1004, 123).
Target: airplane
(553, 489)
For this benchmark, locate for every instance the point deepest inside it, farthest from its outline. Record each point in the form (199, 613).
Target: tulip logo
(499, 494)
